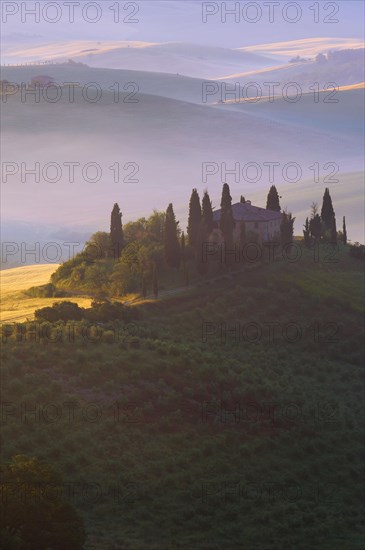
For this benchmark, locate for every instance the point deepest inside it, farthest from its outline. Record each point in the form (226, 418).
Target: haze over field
(188, 124)
(169, 140)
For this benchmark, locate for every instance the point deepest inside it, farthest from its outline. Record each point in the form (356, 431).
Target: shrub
(109, 337)
(357, 251)
(62, 311)
(50, 524)
(108, 311)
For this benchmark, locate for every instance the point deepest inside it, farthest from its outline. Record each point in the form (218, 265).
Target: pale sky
(181, 20)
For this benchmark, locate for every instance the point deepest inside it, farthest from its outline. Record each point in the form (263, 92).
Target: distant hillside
(305, 47)
(343, 68)
(186, 59)
(162, 84)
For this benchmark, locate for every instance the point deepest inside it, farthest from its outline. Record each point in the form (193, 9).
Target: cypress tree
(227, 221)
(286, 228)
(327, 212)
(272, 202)
(172, 247)
(306, 233)
(116, 231)
(333, 239)
(195, 214)
(183, 254)
(201, 259)
(207, 212)
(314, 209)
(242, 199)
(344, 232)
(315, 226)
(183, 249)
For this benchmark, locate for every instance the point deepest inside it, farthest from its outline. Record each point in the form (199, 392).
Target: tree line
(139, 255)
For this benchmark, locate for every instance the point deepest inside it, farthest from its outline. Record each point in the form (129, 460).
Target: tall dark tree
(306, 233)
(183, 249)
(226, 221)
(242, 199)
(273, 202)
(344, 231)
(315, 227)
(227, 224)
(314, 209)
(116, 231)
(201, 257)
(183, 254)
(172, 246)
(195, 215)
(286, 228)
(327, 212)
(333, 238)
(207, 212)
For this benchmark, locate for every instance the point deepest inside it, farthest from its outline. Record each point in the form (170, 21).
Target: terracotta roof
(248, 213)
(42, 77)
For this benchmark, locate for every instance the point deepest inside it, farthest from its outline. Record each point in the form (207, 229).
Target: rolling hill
(200, 438)
(172, 57)
(155, 83)
(168, 134)
(345, 68)
(335, 112)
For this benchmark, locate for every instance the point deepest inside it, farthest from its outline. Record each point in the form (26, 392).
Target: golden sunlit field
(15, 304)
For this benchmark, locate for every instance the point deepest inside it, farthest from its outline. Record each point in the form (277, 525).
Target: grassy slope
(167, 85)
(338, 113)
(305, 74)
(161, 373)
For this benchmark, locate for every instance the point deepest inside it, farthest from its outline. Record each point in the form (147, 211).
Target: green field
(206, 439)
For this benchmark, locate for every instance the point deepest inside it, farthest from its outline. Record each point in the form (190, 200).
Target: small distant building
(264, 224)
(42, 81)
(4, 85)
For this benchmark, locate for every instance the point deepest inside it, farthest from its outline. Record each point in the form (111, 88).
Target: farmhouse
(42, 81)
(250, 221)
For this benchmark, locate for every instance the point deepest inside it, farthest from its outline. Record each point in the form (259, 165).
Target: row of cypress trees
(323, 225)
(200, 224)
